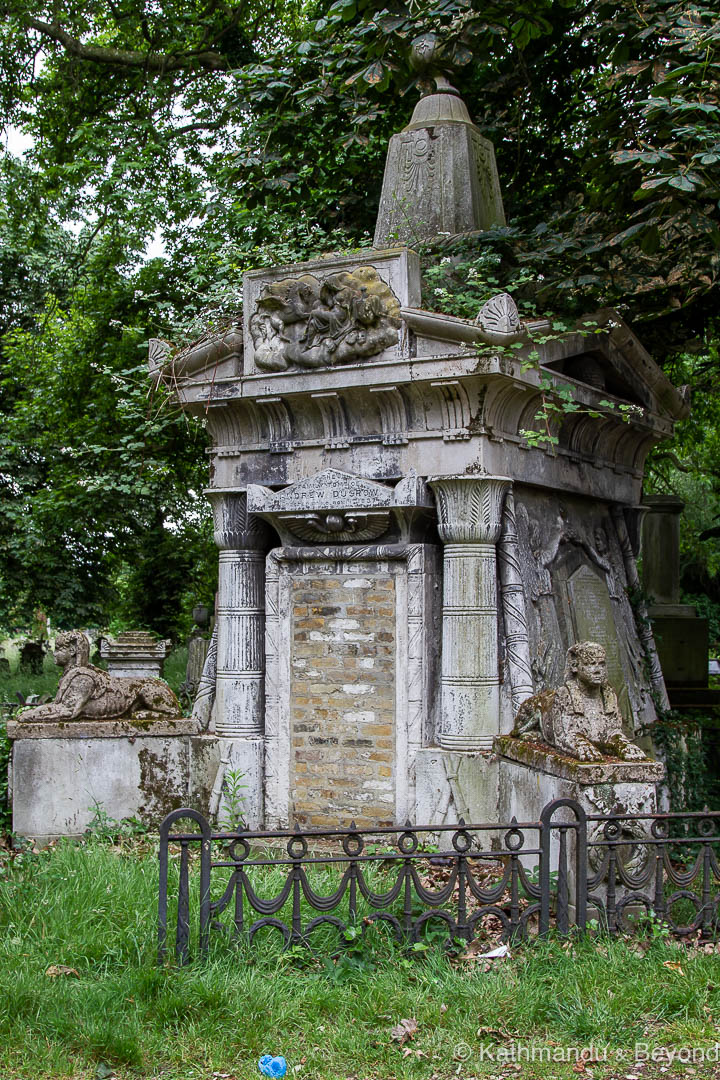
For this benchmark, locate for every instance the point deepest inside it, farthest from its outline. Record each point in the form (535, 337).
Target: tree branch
(99, 54)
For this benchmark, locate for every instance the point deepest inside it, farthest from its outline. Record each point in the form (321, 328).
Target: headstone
(593, 618)
(32, 657)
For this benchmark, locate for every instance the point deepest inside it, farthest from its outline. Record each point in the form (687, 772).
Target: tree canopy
(235, 134)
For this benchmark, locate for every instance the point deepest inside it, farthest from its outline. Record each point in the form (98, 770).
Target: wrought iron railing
(566, 871)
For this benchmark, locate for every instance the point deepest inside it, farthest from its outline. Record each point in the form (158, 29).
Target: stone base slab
(59, 778)
(536, 755)
(101, 729)
(525, 790)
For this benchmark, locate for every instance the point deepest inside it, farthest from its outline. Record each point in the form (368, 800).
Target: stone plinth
(135, 654)
(531, 775)
(62, 773)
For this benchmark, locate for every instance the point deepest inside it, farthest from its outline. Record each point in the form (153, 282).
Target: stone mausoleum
(400, 568)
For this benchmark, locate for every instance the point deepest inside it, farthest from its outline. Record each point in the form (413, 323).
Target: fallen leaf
(405, 1030)
(59, 969)
(674, 965)
(496, 1034)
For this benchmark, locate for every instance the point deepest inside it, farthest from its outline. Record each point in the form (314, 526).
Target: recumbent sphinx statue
(582, 717)
(87, 692)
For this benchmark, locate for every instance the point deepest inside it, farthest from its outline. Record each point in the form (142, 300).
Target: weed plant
(81, 995)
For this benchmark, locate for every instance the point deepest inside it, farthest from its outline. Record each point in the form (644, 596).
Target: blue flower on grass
(272, 1066)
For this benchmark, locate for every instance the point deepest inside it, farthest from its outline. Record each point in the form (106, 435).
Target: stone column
(243, 540)
(469, 523)
(240, 673)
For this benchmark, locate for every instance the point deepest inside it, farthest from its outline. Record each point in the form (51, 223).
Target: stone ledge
(101, 729)
(536, 755)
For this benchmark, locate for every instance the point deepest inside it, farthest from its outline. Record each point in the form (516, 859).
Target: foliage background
(171, 147)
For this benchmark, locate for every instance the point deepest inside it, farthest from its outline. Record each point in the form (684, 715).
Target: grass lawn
(81, 995)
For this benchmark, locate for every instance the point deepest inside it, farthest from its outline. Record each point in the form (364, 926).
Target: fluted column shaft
(469, 523)
(239, 687)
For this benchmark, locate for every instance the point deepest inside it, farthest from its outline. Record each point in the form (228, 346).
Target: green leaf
(374, 73)
(682, 182)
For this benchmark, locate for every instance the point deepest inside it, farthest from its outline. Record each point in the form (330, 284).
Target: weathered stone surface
(538, 756)
(308, 323)
(499, 320)
(88, 693)
(557, 536)
(524, 790)
(328, 313)
(440, 176)
(101, 729)
(197, 654)
(59, 781)
(239, 759)
(336, 507)
(470, 515)
(682, 637)
(135, 654)
(683, 646)
(451, 785)
(580, 718)
(330, 489)
(238, 657)
(661, 548)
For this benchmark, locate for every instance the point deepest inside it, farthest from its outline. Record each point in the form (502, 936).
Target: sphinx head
(72, 649)
(587, 663)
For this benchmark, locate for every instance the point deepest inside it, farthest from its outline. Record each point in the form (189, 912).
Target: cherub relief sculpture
(89, 693)
(309, 323)
(581, 718)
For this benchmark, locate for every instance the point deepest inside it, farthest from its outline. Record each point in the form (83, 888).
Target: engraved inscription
(331, 489)
(593, 620)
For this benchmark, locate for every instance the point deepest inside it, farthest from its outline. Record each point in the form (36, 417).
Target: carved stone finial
(440, 178)
(582, 717)
(427, 58)
(88, 693)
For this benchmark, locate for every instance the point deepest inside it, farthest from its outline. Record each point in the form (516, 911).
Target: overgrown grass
(91, 908)
(25, 684)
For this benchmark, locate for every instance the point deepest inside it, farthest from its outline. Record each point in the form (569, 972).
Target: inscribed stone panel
(593, 618)
(342, 700)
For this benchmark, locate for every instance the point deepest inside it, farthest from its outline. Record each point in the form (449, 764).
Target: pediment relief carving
(312, 322)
